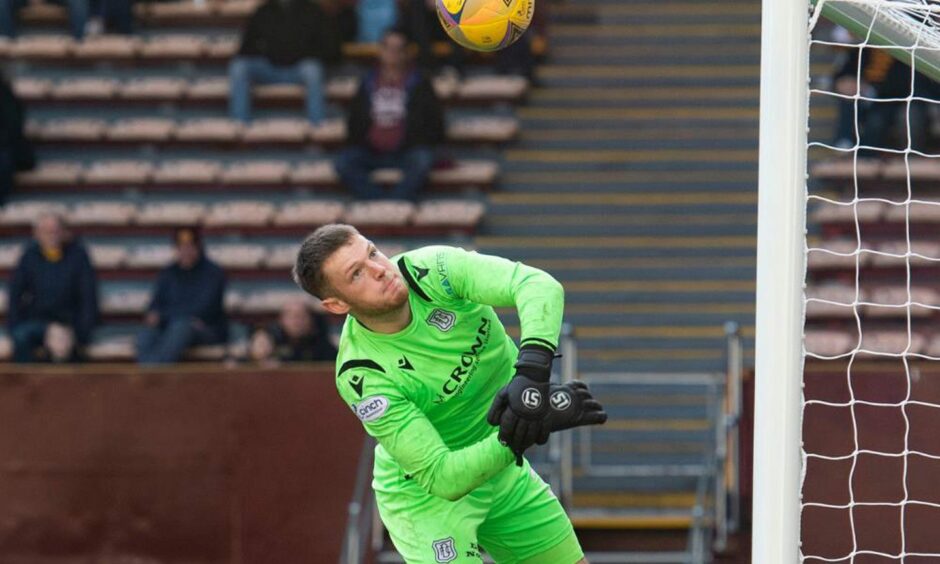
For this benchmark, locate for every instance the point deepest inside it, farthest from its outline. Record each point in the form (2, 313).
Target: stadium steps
(634, 182)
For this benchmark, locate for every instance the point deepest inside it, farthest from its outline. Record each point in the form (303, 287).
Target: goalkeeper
(428, 368)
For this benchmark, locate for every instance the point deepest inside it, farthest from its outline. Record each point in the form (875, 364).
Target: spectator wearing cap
(394, 121)
(188, 304)
(285, 42)
(53, 296)
(299, 335)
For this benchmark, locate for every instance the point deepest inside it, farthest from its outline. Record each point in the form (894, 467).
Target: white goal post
(911, 30)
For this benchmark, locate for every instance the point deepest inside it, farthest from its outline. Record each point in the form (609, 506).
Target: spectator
(880, 77)
(187, 307)
(16, 153)
(298, 336)
(394, 121)
(78, 15)
(53, 296)
(285, 41)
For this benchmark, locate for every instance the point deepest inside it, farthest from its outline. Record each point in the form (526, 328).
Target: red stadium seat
(239, 213)
(119, 172)
(188, 171)
(150, 256)
(102, 213)
(829, 343)
(171, 213)
(309, 213)
(379, 212)
(107, 257)
(457, 213)
(143, 130)
(238, 256)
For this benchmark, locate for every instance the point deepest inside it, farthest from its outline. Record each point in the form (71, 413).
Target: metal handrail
(359, 511)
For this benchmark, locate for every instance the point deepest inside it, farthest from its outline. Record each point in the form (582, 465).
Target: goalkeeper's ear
(335, 305)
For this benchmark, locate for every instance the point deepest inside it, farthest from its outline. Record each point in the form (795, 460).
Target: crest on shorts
(444, 550)
(442, 319)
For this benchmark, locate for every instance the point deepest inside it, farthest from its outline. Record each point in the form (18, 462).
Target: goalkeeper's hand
(520, 407)
(572, 405)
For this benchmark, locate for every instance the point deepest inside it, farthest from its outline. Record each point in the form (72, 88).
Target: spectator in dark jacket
(16, 153)
(187, 307)
(285, 41)
(394, 121)
(298, 336)
(53, 296)
(880, 77)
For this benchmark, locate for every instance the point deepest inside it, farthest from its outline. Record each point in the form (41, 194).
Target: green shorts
(514, 517)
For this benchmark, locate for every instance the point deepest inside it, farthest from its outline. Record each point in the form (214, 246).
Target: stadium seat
(71, 130)
(4, 300)
(817, 259)
(25, 212)
(93, 88)
(239, 213)
(174, 46)
(51, 173)
(102, 213)
(899, 248)
(125, 302)
(329, 132)
(927, 213)
(167, 12)
(171, 213)
(145, 130)
(281, 130)
(150, 256)
(271, 301)
(897, 296)
(457, 213)
(110, 47)
(838, 293)
(492, 88)
(156, 88)
(391, 213)
(188, 171)
(866, 211)
(237, 8)
(309, 213)
(920, 169)
(314, 174)
(467, 173)
(933, 348)
(119, 348)
(205, 89)
(492, 129)
(281, 257)
(829, 343)
(41, 47)
(242, 256)
(30, 89)
(118, 172)
(892, 342)
(272, 92)
(845, 169)
(223, 48)
(107, 257)
(9, 256)
(207, 130)
(445, 86)
(342, 87)
(256, 172)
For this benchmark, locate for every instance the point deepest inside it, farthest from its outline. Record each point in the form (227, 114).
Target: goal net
(867, 327)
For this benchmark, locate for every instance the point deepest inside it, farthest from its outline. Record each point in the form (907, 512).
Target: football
(485, 25)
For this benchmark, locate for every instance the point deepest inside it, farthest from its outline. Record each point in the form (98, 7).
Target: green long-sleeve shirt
(423, 392)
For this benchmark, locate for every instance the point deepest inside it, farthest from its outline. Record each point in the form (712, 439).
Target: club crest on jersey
(442, 319)
(371, 408)
(444, 550)
(560, 400)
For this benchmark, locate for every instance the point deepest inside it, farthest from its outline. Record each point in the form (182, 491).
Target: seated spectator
(53, 296)
(394, 121)
(16, 152)
(187, 307)
(78, 15)
(880, 76)
(285, 42)
(299, 335)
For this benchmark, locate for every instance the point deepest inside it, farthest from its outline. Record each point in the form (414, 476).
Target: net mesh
(871, 386)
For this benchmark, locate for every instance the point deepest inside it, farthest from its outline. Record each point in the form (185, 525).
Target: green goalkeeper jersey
(424, 391)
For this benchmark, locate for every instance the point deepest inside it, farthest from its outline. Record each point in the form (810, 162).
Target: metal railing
(716, 512)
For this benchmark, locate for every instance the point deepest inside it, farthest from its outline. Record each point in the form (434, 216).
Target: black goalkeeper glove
(519, 408)
(572, 405)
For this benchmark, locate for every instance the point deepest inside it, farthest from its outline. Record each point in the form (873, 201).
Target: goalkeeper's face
(363, 281)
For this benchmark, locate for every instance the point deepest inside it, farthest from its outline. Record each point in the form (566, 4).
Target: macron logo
(371, 408)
